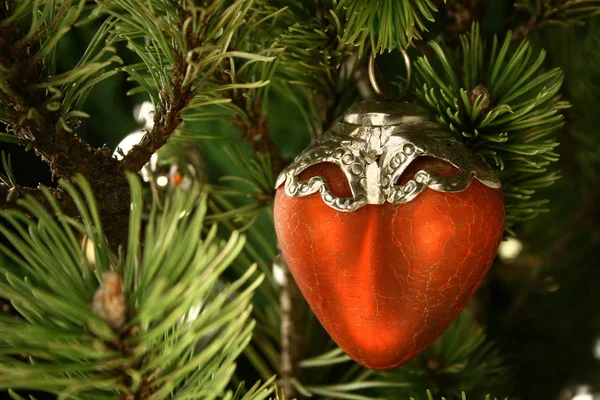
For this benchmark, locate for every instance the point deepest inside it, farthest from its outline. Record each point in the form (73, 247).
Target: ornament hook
(373, 76)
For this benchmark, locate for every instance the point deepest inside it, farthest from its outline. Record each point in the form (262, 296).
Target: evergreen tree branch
(462, 359)
(39, 104)
(252, 122)
(32, 107)
(317, 70)
(293, 310)
(386, 24)
(506, 109)
(306, 69)
(10, 196)
(136, 335)
(168, 116)
(255, 183)
(463, 13)
(33, 96)
(166, 120)
(186, 46)
(288, 348)
(263, 352)
(532, 15)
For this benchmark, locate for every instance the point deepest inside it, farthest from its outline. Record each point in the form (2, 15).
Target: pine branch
(264, 350)
(168, 116)
(506, 108)
(386, 24)
(250, 120)
(317, 69)
(39, 104)
(463, 13)
(253, 188)
(307, 70)
(462, 359)
(532, 15)
(11, 195)
(293, 310)
(136, 335)
(199, 38)
(279, 346)
(166, 121)
(39, 110)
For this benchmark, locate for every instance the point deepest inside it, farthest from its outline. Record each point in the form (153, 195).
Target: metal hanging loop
(373, 77)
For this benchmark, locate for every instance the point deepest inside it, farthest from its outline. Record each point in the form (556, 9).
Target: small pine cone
(485, 101)
(109, 302)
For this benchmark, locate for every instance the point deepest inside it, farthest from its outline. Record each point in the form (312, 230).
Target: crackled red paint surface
(386, 280)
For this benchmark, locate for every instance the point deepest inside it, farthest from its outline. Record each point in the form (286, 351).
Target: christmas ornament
(388, 225)
(177, 164)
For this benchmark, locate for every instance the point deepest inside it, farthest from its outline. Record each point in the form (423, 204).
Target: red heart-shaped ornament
(387, 279)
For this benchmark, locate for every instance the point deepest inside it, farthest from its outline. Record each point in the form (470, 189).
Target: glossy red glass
(386, 280)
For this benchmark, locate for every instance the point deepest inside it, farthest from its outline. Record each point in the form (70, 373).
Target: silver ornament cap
(373, 144)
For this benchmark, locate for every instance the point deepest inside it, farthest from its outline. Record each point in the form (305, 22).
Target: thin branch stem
(166, 121)
(9, 196)
(52, 135)
(525, 23)
(255, 131)
(462, 13)
(293, 311)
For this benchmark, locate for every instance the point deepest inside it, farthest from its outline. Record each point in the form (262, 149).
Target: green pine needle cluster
(164, 330)
(386, 24)
(313, 66)
(179, 58)
(316, 66)
(183, 314)
(314, 69)
(559, 12)
(254, 217)
(323, 46)
(460, 360)
(256, 185)
(63, 92)
(504, 105)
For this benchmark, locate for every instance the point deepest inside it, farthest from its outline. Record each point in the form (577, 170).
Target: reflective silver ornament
(177, 164)
(373, 144)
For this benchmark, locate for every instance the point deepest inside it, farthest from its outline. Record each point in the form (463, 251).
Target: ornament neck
(373, 144)
(385, 113)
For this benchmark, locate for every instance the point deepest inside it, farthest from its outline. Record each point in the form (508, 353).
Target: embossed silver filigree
(373, 145)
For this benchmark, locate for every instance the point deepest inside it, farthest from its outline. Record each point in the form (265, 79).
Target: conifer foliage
(109, 294)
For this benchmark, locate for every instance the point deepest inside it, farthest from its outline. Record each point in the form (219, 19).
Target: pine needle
(504, 106)
(175, 332)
